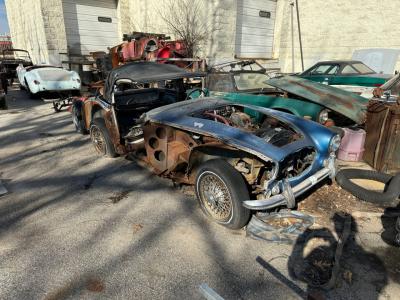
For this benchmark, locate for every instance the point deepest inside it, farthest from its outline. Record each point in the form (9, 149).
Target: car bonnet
(178, 115)
(345, 103)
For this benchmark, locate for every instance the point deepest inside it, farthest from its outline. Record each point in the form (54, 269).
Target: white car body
(38, 79)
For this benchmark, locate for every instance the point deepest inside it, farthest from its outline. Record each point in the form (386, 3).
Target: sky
(3, 19)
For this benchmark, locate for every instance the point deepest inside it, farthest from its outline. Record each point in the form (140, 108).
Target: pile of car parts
(382, 144)
(282, 227)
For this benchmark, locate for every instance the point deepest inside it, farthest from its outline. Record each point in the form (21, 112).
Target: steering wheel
(203, 93)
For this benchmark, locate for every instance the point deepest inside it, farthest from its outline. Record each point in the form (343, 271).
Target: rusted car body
(277, 156)
(236, 162)
(129, 91)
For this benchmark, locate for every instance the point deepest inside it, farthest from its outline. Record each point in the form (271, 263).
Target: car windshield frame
(252, 88)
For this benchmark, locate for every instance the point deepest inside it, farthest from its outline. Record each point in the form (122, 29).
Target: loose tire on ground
(77, 119)
(101, 139)
(220, 190)
(387, 198)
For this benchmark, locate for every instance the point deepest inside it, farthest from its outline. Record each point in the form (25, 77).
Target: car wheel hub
(215, 197)
(98, 140)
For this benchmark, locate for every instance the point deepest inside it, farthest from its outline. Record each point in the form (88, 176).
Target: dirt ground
(78, 226)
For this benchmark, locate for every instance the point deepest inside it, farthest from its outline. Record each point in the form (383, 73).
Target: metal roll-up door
(255, 25)
(90, 25)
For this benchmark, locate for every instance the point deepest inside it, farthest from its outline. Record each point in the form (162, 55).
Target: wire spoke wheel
(215, 196)
(98, 140)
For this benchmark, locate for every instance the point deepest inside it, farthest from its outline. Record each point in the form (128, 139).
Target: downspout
(301, 45)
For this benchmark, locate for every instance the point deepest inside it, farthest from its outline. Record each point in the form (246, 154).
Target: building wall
(333, 29)
(37, 26)
(53, 21)
(218, 15)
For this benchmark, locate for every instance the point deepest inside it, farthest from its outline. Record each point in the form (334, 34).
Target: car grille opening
(296, 163)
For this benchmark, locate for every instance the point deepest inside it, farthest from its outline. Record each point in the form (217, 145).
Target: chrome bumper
(287, 197)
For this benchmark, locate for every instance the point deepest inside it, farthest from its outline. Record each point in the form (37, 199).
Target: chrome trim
(288, 195)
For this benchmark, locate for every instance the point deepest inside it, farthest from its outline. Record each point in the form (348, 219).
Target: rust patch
(95, 285)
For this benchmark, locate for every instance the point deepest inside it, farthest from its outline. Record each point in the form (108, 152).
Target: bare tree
(185, 20)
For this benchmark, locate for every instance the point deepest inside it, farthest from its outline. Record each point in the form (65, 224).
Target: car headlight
(335, 143)
(323, 116)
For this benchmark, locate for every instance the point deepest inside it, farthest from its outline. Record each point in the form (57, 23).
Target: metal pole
(301, 45)
(292, 25)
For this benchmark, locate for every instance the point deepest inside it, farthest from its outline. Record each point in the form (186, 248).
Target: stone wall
(38, 26)
(333, 29)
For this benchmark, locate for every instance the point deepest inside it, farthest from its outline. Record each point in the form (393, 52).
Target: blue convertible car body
(280, 157)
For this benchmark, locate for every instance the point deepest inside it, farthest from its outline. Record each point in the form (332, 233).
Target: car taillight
(377, 84)
(36, 82)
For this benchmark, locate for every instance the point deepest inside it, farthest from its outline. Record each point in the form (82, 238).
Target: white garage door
(255, 28)
(90, 25)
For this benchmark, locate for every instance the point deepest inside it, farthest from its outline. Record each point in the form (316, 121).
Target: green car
(291, 94)
(350, 75)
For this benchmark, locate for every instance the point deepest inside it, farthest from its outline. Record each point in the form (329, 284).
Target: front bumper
(289, 194)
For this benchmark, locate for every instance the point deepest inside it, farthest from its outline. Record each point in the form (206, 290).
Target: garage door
(255, 28)
(90, 25)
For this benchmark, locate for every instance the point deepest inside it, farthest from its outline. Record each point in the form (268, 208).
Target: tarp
(380, 60)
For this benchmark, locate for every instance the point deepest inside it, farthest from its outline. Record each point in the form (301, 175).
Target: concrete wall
(218, 15)
(333, 29)
(37, 26)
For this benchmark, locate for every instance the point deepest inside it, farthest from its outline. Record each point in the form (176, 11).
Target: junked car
(40, 79)
(350, 75)
(11, 59)
(129, 91)
(290, 94)
(236, 162)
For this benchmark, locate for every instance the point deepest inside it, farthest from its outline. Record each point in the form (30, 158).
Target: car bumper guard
(288, 195)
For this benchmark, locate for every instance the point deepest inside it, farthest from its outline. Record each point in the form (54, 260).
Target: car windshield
(251, 81)
(363, 69)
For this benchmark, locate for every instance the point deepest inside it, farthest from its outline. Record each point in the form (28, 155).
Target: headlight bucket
(334, 144)
(323, 116)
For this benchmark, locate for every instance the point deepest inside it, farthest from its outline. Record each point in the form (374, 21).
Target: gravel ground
(75, 225)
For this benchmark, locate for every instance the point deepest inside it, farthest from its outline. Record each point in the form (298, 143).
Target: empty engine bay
(270, 129)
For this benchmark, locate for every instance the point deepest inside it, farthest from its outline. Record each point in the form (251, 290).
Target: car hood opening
(345, 103)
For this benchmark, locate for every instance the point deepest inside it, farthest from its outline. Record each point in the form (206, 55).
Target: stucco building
(331, 29)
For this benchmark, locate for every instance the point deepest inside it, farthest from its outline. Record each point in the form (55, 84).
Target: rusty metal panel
(382, 144)
(348, 104)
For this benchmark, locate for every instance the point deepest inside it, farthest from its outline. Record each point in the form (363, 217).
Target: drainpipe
(292, 27)
(301, 45)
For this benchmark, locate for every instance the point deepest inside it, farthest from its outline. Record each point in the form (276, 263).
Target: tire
(101, 139)
(387, 198)
(218, 175)
(77, 120)
(57, 107)
(31, 95)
